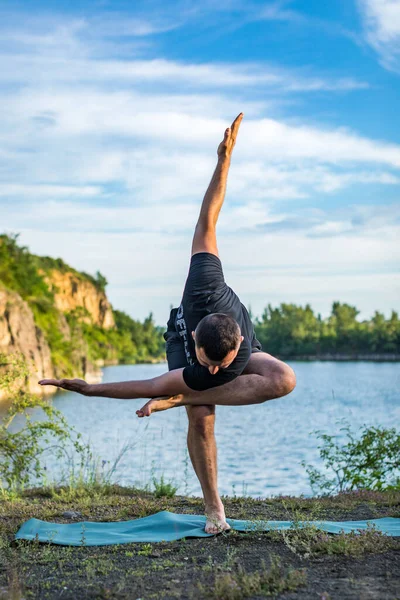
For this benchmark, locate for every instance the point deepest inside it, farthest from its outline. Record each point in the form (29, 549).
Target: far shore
(344, 357)
(97, 375)
(338, 357)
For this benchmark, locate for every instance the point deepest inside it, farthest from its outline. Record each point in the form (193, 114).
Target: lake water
(260, 447)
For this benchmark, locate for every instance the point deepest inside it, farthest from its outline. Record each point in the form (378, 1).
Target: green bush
(18, 271)
(371, 461)
(21, 452)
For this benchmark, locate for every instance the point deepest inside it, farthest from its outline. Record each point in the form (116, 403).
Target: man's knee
(289, 379)
(201, 419)
(284, 379)
(278, 381)
(278, 377)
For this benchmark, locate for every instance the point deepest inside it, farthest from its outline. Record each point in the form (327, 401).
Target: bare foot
(226, 146)
(159, 404)
(216, 520)
(147, 409)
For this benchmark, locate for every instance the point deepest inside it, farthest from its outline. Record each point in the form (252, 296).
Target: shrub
(21, 451)
(371, 461)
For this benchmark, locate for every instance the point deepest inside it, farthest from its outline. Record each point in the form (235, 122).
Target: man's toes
(216, 528)
(145, 411)
(212, 529)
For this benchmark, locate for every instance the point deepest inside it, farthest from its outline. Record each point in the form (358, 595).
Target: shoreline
(343, 357)
(301, 358)
(96, 375)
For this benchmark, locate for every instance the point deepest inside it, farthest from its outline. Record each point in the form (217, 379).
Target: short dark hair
(217, 334)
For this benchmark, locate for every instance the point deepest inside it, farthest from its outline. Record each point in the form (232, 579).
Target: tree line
(286, 331)
(294, 331)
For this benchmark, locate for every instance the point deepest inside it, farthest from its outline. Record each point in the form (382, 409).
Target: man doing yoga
(213, 355)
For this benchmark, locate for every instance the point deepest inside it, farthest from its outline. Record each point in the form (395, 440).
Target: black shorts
(176, 356)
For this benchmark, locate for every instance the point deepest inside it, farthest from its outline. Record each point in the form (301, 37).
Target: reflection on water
(260, 447)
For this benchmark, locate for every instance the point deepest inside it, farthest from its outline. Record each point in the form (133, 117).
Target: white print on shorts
(182, 330)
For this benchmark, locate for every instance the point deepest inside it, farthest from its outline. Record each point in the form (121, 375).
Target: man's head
(217, 341)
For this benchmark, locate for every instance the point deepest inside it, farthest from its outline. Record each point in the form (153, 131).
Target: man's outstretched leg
(205, 239)
(203, 454)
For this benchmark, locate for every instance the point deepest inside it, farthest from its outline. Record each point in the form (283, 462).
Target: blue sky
(112, 113)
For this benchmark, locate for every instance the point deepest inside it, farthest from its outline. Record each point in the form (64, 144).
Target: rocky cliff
(18, 333)
(61, 321)
(71, 291)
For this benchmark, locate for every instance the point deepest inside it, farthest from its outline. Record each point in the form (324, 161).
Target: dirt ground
(298, 565)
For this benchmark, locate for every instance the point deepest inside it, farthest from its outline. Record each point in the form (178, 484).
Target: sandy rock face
(71, 292)
(18, 333)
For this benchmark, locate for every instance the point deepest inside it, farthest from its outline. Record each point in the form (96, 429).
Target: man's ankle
(214, 505)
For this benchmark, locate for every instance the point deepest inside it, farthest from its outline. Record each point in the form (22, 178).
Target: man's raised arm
(168, 384)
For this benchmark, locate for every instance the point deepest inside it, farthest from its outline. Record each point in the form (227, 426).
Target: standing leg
(203, 454)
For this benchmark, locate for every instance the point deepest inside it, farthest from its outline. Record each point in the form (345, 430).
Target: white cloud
(257, 180)
(146, 271)
(126, 120)
(120, 151)
(54, 191)
(116, 24)
(56, 67)
(59, 49)
(382, 29)
(276, 11)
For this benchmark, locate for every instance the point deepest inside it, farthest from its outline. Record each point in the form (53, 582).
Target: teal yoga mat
(166, 526)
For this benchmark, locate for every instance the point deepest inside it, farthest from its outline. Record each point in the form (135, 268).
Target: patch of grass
(15, 590)
(307, 540)
(299, 540)
(93, 566)
(344, 501)
(231, 559)
(146, 550)
(354, 543)
(164, 489)
(265, 582)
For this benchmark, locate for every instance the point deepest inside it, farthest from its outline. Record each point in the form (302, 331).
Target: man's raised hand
(226, 146)
(73, 385)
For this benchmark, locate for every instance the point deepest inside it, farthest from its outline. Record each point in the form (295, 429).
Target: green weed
(164, 489)
(146, 550)
(265, 582)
